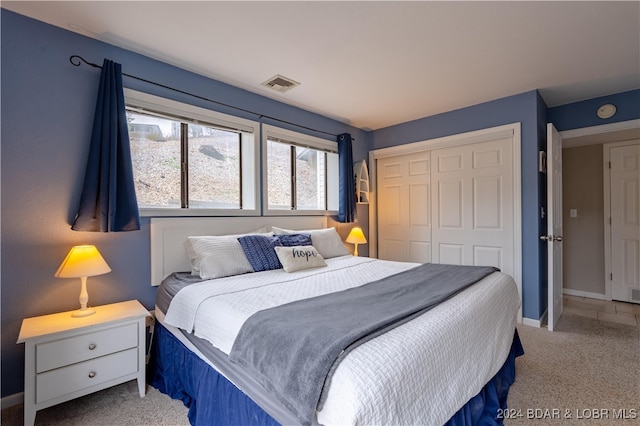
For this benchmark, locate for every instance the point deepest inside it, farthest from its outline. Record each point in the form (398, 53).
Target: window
(190, 159)
(302, 172)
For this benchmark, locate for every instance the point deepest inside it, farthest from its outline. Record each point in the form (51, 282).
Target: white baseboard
(539, 323)
(11, 400)
(580, 293)
(531, 322)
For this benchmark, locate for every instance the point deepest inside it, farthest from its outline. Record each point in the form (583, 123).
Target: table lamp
(356, 236)
(82, 262)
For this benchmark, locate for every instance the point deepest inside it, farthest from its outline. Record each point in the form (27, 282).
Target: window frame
(250, 152)
(301, 140)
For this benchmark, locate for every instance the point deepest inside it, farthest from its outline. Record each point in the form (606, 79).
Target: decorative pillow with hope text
(297, 258)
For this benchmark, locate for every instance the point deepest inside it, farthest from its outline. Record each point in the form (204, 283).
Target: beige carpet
(586, 370)
(119, 405)
(590, 368)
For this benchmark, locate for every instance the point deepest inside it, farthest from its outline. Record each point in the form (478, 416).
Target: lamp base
(83, 313)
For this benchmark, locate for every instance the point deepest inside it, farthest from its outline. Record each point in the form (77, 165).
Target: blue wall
(583, 114)
(47, 114)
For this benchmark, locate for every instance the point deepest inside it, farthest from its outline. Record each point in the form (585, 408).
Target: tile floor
(604, 310)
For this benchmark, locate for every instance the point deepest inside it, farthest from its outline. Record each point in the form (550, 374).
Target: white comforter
(421, 372)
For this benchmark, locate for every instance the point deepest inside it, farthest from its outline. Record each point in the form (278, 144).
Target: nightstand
(67, 357)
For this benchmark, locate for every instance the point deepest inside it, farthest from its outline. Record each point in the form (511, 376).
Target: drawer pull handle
(92, 374)
(92, 346)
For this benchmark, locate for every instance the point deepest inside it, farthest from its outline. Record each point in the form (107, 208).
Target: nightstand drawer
(71, 350)
(86, 374)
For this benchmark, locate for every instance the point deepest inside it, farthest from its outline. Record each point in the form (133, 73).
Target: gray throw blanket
(293, 348)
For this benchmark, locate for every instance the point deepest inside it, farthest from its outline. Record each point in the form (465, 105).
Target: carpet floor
(587, 372)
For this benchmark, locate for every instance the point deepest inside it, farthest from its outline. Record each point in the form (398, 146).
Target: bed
(448, 363)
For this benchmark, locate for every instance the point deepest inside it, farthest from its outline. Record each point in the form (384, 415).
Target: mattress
(448, 353)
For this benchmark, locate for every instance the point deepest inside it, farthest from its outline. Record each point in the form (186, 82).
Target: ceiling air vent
(280, 83)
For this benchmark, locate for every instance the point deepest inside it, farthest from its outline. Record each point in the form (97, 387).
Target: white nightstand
(67, 357)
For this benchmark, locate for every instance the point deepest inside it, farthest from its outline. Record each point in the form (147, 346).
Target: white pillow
(297, 258)
(223, 255)
(326, 241)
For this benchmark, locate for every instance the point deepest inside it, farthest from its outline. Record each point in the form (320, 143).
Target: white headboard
(169, 234)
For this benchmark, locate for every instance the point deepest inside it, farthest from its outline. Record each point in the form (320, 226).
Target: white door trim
(606, 177)
(602, 128)
(509, 130)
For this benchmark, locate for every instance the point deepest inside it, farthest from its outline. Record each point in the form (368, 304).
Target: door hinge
(609, 220)
(609, 164)
(611, 276)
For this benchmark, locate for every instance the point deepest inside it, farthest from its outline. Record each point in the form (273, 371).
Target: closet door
(404, 208)
(472, 201)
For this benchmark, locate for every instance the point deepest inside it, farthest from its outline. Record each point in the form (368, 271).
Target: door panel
(419, 250)
(452, 254)
(450, 204)
(404, 207)
(391, 207)
(554, 226)
(625, 223)
(473, 196)
(418, 199)
(485, 255)
(487, 213)
(392, 250)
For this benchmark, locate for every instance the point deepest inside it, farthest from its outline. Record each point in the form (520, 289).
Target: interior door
(554, 225)
(625, 223)
(404, 210)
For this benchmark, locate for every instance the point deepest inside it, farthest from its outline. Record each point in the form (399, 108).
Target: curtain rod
(77, 63)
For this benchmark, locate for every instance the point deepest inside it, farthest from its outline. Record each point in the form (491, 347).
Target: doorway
(587, 268)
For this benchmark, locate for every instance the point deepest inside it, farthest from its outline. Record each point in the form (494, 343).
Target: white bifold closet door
(404, 208)
(449, 205)
(472, 205)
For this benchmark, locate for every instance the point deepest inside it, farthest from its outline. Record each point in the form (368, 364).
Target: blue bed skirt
(213, 400)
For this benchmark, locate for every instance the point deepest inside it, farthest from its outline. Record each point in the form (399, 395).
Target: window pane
(214, 168)
(279, 175)
(310, 179)
(155, 154)
(332, 181)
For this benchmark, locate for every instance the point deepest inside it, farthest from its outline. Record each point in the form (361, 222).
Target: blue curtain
(347, 190)
(108, 202)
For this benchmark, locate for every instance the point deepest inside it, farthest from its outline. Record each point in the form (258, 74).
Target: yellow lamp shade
(82, 261)
(355, 237)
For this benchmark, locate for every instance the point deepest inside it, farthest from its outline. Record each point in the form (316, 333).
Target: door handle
(551, 238)
(557, 238)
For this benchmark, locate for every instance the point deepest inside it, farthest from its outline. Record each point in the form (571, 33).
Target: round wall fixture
(606, 111)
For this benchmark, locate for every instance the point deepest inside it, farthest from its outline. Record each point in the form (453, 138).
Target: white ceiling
(375, 64)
